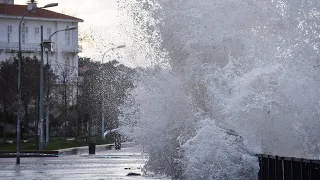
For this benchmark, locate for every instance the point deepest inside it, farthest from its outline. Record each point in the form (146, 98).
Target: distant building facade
(65, 44)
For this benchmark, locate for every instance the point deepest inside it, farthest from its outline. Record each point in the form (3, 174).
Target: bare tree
(66, 78)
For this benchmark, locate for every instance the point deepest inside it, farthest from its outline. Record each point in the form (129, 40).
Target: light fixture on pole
(19, 79)
(47, 45)
(102, 99)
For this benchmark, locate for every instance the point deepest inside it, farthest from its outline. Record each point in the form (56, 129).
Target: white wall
(7, 1)
(62, 50)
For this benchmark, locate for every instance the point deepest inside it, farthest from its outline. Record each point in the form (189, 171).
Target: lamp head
(121, 46)
(71, 28)
(50, 5)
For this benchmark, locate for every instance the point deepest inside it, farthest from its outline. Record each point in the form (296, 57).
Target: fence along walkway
(288, 168)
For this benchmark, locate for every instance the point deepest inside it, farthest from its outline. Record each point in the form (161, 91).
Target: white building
(65, 43)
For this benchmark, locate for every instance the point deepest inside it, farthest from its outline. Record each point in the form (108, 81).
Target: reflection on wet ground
(111, 165)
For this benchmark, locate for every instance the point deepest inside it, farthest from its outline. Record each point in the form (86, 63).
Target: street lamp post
(41, 95)
(102, 99)
(19, 79)
(48, 46)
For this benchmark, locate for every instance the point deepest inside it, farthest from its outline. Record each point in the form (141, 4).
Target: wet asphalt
(106, 165)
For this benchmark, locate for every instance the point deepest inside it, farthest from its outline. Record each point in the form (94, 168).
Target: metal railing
(14, 46)
(33, 47)
(288, 168)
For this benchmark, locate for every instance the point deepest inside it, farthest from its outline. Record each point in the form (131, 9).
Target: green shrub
(9, 135)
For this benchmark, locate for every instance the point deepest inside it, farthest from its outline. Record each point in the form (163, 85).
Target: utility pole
(41, 94)
(102, 114)
(47, 101)
(19, 97)
(102, 105)
(48, 45)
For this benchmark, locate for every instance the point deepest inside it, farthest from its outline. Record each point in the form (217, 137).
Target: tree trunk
(26, 117)
(4, 120)
(78, 116)
(65, 110)
(38, 119)
(48, 104)
(89, 128)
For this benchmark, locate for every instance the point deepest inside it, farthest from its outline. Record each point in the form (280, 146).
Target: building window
(48, 32)
(24, 34)
(37, 32)
(68, 37)
(9, 34)
(68, 61)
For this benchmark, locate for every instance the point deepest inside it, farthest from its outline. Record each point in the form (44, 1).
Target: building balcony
(13, 47)
(71, 48)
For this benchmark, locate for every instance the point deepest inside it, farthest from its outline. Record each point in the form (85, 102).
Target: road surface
(106, 165)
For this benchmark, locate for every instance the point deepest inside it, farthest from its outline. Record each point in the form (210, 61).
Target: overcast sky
(100, 22)
(93, 12)
(99, 19)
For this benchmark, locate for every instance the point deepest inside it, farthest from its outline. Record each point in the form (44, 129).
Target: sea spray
(160, 117)
(247, 66)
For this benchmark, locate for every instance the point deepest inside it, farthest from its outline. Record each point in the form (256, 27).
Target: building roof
(19, 10)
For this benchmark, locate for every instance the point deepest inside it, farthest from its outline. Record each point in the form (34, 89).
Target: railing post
(261, 167)
(292, 172)
(301, 169)
(310, 170)
(276, 168)
(268, 167)
(283, 167)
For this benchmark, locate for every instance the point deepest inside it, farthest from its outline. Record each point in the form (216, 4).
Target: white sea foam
(243, 79)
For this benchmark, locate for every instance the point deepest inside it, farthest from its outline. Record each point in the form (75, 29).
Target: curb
(85, 149)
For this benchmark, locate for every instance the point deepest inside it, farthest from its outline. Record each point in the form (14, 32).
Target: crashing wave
(249, 66)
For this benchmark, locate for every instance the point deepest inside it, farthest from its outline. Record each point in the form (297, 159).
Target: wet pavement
(106, 165)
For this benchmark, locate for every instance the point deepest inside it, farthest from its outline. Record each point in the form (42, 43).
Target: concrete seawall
(85, 149)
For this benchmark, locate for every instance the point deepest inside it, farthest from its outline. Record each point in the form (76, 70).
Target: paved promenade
(106, 165)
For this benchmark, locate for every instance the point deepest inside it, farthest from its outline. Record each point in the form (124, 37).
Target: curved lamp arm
(46, 6)
(20, 28)
(111, 49)
(67, 29)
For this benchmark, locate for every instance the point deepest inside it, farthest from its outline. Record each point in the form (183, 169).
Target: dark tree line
(30, 83)
(75, 103)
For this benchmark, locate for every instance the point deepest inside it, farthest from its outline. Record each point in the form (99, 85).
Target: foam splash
(244, 66)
